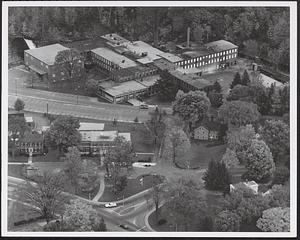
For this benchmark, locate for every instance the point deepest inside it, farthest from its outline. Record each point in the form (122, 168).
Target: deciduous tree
(277, 135)
(92, 86)
(245, 78)
(46, 196)
(230, 159)
(238, 113)
(236, 80)
(73, 166)
(227, 221)
(259, 161)
(167, 87)
(275, 220)
(63, 133)
(19, 105)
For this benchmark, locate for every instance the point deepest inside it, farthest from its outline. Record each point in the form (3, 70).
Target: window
(62, 73)
(200, 58)
(42, 64)
(53, 75)
(47, 66)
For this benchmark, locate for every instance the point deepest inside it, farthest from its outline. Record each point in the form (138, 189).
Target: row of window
(199, 64)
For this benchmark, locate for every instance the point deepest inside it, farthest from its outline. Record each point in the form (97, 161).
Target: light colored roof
(103, 136)
(135, 102)
(196, 53)
(163, 64)
(220, 45)
(114, 57)
(267, 81)
(191, 79)
(115, 89)
(171, 57)
(46, 54)
(28, 119)
(140, 47)
(86, 126)
(114, 38)
(189, 70)
(45, 128)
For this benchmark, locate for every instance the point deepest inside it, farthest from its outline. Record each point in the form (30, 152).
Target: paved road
(67, 104)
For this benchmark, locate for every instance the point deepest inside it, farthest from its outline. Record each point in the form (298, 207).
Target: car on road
(124, 226)
(144, 106)
(110, 205)
(147, 165)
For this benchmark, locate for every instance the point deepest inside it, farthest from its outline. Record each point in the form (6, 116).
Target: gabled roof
(210, 125)
(220, 45)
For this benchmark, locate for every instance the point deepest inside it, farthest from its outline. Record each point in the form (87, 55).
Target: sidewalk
(101, 188)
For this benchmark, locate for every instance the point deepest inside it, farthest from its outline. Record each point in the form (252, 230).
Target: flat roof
(130, 70)
(116, 89)
(163, 64)
(86, 126)
(220, 45)
(171, 57)
(140, 47)
(114, 38)
(46, 54)
(191, 79)
(114, 57)
(28, 119)
(189, 70)
(103, 136)
(196, 53)
(86, 45)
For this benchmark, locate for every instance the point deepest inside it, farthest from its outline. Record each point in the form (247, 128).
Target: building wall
(201, 133)
(104, 63)
(213, 58)
(135, 75)
(37, 147)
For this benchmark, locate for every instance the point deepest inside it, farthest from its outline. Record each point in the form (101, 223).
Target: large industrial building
(42, 62)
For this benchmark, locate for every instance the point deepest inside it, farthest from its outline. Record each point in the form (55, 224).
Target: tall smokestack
(188, 37)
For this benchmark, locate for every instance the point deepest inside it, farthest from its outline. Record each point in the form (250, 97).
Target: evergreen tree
(245, 78)
(19, 105)
(236, 80)
(217, 177)
(217, 87)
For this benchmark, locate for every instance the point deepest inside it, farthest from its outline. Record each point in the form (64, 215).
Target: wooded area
(258, 31)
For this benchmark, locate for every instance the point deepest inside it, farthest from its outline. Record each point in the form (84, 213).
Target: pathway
(101, 188)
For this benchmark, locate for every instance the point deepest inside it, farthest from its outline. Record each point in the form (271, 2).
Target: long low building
(122, 92)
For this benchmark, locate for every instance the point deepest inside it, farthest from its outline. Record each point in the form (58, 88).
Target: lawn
(200, 155)
(15, 171)
(155, 100)
(133, 187)
(140, 136)
(51, 156)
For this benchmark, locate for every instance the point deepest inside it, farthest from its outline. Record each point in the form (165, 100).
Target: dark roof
(32, 137)
(210, 125)
(86, 45)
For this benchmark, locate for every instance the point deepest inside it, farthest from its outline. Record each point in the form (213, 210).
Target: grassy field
(200, 154)
(133, 187)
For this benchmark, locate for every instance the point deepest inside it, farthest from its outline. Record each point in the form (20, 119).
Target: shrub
(19, 105)
(136, 120)
(207, 224)
(281, 175)
(161, 221)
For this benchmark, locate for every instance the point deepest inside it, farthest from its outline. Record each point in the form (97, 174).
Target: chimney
(188, 37)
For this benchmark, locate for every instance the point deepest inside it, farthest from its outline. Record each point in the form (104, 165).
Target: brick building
(42, 62)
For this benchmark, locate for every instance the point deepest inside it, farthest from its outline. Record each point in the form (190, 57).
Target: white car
(110, 205)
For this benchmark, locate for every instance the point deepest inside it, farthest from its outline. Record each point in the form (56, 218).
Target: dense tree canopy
(227, 221)
(63, 133)
(19, 105)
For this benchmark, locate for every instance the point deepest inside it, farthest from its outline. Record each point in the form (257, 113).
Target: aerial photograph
(148, 119)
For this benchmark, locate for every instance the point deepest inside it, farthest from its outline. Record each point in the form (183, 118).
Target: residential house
(207, 130)
(32, 140)
(251, 185)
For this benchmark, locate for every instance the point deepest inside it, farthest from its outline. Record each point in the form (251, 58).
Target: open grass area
(200, 155)
(133, 187)
(15, 171)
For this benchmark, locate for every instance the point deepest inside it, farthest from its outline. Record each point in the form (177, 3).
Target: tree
(245, 78)
(177, 143)
(121, 183)
(46, 195)
(73, 166)
(63, 133)
(239, 92)
(216, 99)
(184, 200)
(251, 48)
(230, 159)
(277, 135)
(217, 176)
(238, 113)
(157, 195)
(71, 61)
(275, 220)
(167, 88)
(82, 217)
(279, 196)
(16, 128)
(19, 105)
(236, 80)
(156, 125)
(191, 106)
(217, 87)
(227, 221)
(281, 175)
(259, 161)
(284, 95)
(92, 86)
(240, 139)
(57, 226)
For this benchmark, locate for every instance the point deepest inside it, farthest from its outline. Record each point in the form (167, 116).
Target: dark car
(123, 226)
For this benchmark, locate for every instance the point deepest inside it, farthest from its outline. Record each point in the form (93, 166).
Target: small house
(207, 130)
(252, 185)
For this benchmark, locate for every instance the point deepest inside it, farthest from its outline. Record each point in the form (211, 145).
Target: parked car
(110, 205)
(123, 226)
(144, 106)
